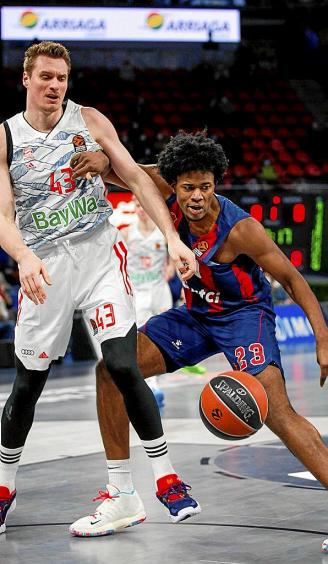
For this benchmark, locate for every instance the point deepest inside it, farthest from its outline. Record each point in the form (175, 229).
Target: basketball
(233, 405)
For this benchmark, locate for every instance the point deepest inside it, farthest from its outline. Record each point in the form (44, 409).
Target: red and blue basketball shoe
(173, 493)
(7, 504)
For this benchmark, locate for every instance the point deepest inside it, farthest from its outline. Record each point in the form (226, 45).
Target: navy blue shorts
(246, 337)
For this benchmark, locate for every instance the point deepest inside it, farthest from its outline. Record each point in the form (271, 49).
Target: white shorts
(89, 274)
(149, 301)
(152, 300)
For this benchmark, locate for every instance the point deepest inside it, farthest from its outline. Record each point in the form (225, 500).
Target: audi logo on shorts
(27, 352)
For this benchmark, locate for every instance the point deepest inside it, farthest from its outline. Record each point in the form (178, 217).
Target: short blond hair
(47, 48)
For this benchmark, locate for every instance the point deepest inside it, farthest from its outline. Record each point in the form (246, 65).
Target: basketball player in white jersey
(149, 265)
(62, 237)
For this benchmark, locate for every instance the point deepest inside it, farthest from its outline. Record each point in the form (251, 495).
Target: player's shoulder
(247, 228)
(92, 113)
(3, 134)
(3, 142)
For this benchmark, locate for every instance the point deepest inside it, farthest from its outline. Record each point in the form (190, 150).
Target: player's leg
(251, 345)
(114, 422)
(112, 415)
(16, 421)
(160, 300)
(296, 432)
(42, 334)
(164, 344)
(139, 401)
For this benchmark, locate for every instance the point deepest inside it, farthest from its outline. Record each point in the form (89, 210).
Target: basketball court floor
(259, 503)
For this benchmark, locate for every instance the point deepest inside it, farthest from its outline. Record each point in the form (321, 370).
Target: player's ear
(25, 79)
(173, 185)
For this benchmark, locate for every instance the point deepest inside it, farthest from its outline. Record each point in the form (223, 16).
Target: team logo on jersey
(28, 157)
(79, 143)
(94, 326)
(202, 246)
(157, 246)
(28, 154)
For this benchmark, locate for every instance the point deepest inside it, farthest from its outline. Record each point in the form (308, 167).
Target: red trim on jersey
(121, 253)
(260, 327)
(176, 214)
(206, 276)
(245, 283)
(188, 297)
(19, 309)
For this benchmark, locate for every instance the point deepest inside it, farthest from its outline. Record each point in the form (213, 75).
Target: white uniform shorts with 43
(88, 274)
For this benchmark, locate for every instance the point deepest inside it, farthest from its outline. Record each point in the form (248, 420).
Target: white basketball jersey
(49, 203)
(147, 257)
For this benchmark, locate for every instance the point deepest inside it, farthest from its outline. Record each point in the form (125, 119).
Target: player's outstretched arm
(31, 268)
(97, 162)
(250, 238)
(142, 186)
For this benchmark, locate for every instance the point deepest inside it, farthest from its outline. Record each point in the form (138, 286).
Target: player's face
(194, 191)
(47, 83)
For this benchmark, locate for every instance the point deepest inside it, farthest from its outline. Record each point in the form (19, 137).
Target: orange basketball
(233, 405)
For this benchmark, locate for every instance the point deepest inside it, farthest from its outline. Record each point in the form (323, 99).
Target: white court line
(303, 475)
(52, 440)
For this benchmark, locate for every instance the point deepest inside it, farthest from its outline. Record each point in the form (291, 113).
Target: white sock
(119, 474)
(157, 452)
(9, 461)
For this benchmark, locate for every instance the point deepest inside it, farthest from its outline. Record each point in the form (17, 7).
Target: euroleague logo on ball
(217, 414)
(233, 405)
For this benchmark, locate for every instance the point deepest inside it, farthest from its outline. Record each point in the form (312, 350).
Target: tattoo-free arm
(31, 268)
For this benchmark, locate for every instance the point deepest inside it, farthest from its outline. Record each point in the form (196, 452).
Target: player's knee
(28, 385)
(280, 418)
(121, 364)
(119, 367)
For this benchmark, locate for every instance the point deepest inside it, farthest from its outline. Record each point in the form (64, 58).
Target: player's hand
(322, 356)
(89, 163)
(183, 258)
(31, 273)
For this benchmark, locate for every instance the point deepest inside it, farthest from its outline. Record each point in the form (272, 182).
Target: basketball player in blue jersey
(63, 238)
(228, 302)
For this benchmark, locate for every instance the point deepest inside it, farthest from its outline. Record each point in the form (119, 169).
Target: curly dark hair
(188, 152)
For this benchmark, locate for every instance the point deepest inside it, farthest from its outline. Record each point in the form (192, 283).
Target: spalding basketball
(233, 405)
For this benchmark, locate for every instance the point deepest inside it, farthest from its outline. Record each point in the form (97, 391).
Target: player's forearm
(11, 240)
(153, 203)
(152, 171)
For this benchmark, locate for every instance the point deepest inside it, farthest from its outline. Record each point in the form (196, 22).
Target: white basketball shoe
(117, 511)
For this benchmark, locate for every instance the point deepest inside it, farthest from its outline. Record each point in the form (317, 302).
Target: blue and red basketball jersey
(220, 287)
